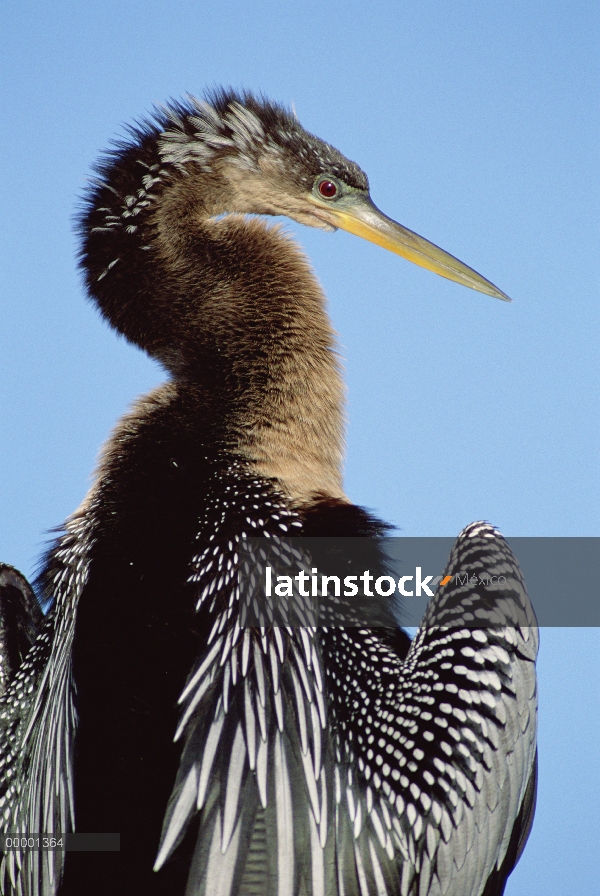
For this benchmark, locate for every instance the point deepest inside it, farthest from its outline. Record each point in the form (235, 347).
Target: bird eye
(328, 189)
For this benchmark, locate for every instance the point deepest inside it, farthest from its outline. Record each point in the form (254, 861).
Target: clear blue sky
(477, 124)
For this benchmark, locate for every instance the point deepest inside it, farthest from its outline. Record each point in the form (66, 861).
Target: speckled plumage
(297, 760)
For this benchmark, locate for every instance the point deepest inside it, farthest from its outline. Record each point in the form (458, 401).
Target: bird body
(288, 760)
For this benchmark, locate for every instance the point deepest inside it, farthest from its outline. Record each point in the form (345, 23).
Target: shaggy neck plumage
(226, 304)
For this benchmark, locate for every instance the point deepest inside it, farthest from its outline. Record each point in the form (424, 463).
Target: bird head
(267, 163)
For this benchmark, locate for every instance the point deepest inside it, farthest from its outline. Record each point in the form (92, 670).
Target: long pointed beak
(361, 217)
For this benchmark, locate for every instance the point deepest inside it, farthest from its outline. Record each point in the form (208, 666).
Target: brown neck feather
(232, 306)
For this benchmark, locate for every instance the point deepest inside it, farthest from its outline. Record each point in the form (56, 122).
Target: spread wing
(444, 740)
(320, 761)
(38, 726)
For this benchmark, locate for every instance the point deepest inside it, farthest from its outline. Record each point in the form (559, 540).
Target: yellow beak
(361, 217)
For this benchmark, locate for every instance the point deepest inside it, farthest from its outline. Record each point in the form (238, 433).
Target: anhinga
(307, 761)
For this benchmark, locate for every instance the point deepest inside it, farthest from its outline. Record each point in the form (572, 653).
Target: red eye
(327, 189)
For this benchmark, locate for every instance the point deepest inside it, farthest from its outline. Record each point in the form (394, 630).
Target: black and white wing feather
(438, 751)
(254, 761)
(38, 727)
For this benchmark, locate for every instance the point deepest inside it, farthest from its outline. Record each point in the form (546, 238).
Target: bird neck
(230, 307)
